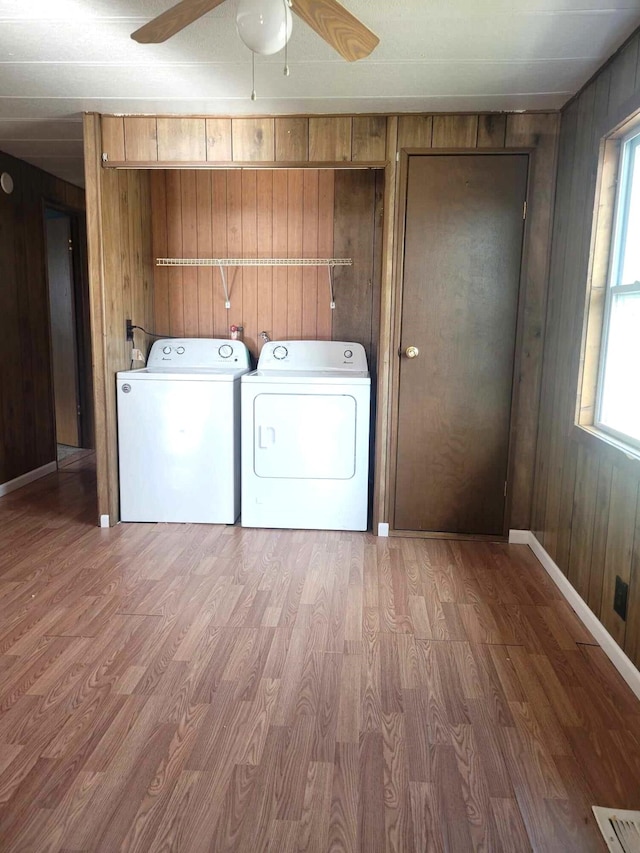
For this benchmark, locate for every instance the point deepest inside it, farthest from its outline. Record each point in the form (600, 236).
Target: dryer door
(305, 436)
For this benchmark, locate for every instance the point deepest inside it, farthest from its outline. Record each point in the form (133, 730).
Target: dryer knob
(280, 352)
(180, 350)
(348, 353)
(166, 350)
(225, 351)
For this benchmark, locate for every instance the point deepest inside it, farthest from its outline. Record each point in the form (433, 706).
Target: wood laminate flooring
(208, 688)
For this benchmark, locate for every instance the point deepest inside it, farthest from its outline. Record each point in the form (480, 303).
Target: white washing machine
(179, 432)
(305, 437)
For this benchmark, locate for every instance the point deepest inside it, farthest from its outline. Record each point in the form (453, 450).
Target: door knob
(411, 352)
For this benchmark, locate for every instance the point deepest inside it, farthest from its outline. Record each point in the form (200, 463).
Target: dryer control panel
(343, 356)
(189, 353)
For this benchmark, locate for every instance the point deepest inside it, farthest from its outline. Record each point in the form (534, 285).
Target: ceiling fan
(331, 21)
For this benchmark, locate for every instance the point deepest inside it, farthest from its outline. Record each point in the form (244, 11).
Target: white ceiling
(59, 58)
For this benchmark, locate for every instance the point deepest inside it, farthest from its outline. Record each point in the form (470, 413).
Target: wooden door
(462, 254)
(63, 328)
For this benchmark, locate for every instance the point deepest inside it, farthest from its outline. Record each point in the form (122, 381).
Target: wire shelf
(254, 262)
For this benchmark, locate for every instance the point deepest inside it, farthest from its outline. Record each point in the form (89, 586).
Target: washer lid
(187, 374)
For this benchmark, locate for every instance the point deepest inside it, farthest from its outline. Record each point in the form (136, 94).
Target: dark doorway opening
(69, 330)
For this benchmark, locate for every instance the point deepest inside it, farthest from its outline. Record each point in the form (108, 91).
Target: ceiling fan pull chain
(286, 4)
(253, 75)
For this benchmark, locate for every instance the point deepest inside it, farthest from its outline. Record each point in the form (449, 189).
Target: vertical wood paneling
(310, 250)
(204, 249)
(617, 559)
(539, 132)
(218, 139)
(141, 138)
(249, 214)
(220, 249)
(97, 299)
(354, 238)
(600, 529)
(235, 275)
(125, 205)
(327, 248)
(583, 521)
(491, 131)
(174, 250)
(160, 247)
(280, 249)
(369, 137)
(292, 140)
(330, 139)
(113, 138)
(253, 139)
(599, 514)
(189, 250)
(415, 131)
(632, 634)
(295, 195)
(182, 140)
(455, 131)
(264, 249)
(257, 213)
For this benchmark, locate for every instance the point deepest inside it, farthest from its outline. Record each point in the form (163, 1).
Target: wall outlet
(620, 598)
(129, 331)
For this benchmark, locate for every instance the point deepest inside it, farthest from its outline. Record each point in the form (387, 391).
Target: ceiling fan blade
(173, 20)
(339, 28)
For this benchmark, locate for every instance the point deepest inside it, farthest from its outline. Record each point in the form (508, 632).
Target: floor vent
(620, 828)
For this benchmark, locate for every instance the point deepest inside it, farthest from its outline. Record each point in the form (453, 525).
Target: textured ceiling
(59, 58)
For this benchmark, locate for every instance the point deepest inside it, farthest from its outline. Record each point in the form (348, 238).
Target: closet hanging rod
(254, 262)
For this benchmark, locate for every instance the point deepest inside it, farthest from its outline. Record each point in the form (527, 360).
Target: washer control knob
(225, 351)
(348, 353)
(166, 350)
(280, 352)
(180, 350)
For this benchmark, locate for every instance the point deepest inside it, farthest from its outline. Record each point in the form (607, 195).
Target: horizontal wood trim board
(462, 537)
(229, 165)
(29, 477)
(616, 655)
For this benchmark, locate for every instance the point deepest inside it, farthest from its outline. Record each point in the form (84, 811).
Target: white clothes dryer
(179, 432)
(305, 437)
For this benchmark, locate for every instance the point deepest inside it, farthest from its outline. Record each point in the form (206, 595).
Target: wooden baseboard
(616, 655)
(29, 477)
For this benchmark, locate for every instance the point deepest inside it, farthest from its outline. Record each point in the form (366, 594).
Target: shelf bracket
(332, 303)
(223, 276)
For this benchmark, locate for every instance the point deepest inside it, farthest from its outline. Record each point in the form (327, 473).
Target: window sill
(616, 451)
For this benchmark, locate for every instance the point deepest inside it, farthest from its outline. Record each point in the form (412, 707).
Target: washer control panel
(198, 353)
(342, 356)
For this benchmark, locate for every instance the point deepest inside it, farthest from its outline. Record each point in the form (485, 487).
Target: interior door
(462, 255)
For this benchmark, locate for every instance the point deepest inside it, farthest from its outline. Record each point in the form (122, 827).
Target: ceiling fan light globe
(264, 25)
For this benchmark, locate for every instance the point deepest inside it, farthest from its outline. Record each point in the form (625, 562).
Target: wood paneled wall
(121, 275)
(153, 141)
(27, 431)
(243, 214)
(266, 213)
(586, 506)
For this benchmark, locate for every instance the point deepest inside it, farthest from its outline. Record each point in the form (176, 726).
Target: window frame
(629, 146)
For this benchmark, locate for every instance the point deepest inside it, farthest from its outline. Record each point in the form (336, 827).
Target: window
(618, 399)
